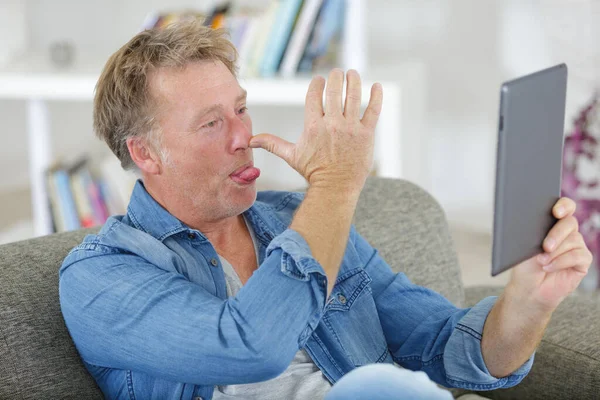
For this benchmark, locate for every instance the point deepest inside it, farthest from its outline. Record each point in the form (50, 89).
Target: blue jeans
(386, 382)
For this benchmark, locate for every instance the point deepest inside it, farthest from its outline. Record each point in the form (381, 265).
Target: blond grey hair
(123, 104)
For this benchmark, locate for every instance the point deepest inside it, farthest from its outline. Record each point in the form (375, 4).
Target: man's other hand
(545, 280)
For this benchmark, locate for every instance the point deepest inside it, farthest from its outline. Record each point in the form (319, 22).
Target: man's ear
(144, 156)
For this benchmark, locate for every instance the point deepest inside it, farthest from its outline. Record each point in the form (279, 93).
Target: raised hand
(336, 145)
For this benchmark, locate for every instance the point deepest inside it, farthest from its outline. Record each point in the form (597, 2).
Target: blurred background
(441, 63)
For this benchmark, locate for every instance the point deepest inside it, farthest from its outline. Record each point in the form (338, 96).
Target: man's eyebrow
(203, 113)
(216, 107)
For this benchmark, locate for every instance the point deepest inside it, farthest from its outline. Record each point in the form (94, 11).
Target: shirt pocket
(351, 317)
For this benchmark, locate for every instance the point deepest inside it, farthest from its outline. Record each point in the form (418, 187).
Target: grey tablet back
(528, 165)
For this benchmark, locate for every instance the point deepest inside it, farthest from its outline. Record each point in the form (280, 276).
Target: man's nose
(240, 134)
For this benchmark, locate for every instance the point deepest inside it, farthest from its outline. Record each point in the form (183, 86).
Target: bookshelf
(31, 78)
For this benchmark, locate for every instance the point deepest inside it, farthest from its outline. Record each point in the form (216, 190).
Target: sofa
(39, 361)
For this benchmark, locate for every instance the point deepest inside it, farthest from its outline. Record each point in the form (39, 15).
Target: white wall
(469, 47)
(12, 29)
(464, 49)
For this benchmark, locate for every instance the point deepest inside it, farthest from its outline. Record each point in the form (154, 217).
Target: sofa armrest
(567, 362)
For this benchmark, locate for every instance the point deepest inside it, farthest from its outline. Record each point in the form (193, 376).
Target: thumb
(273, 144)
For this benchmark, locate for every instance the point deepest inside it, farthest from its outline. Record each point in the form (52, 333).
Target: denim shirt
(146, 305)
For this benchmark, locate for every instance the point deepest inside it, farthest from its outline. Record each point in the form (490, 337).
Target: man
(205, 289)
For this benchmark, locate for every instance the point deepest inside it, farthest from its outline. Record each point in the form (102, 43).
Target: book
(237, 26)
(327, 28)
(247, 43)
(113, 206)
(66, 201)
(216, 19)
(297, 43)
(285, 36)
(266, 22)
(80, 195)
(279, 36)
(95, 198)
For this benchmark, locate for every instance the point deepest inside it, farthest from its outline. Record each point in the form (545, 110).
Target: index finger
(371, 115)
(564, 207)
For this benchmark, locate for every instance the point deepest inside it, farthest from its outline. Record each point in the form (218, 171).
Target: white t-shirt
(300, 381)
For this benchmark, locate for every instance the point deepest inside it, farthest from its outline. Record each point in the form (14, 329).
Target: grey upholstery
(39, 361)
(37, 357)
(567, 362)
(409, 229)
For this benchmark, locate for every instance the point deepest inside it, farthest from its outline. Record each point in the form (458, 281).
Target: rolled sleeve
(298, 263)
(463, 359)
(296, 259)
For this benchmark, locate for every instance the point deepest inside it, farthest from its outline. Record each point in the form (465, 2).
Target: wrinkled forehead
(201, 82)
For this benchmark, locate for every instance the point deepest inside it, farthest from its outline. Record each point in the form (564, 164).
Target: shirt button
(198, 398)
(192, 236)
(214, 262)
(342, 298)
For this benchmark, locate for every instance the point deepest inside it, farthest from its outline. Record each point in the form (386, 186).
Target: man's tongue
(247, 175)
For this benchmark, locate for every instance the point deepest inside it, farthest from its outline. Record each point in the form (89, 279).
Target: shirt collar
(147, 215)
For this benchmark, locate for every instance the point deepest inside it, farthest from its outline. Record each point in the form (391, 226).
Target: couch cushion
(567, 362)
(410, 230)
(37, 357)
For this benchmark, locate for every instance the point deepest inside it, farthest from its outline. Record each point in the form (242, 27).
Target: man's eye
(243, 110)
(211, 124)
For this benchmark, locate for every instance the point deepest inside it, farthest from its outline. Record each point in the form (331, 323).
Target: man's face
(205, 133)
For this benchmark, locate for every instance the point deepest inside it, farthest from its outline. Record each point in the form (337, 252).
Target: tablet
(528, 164)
